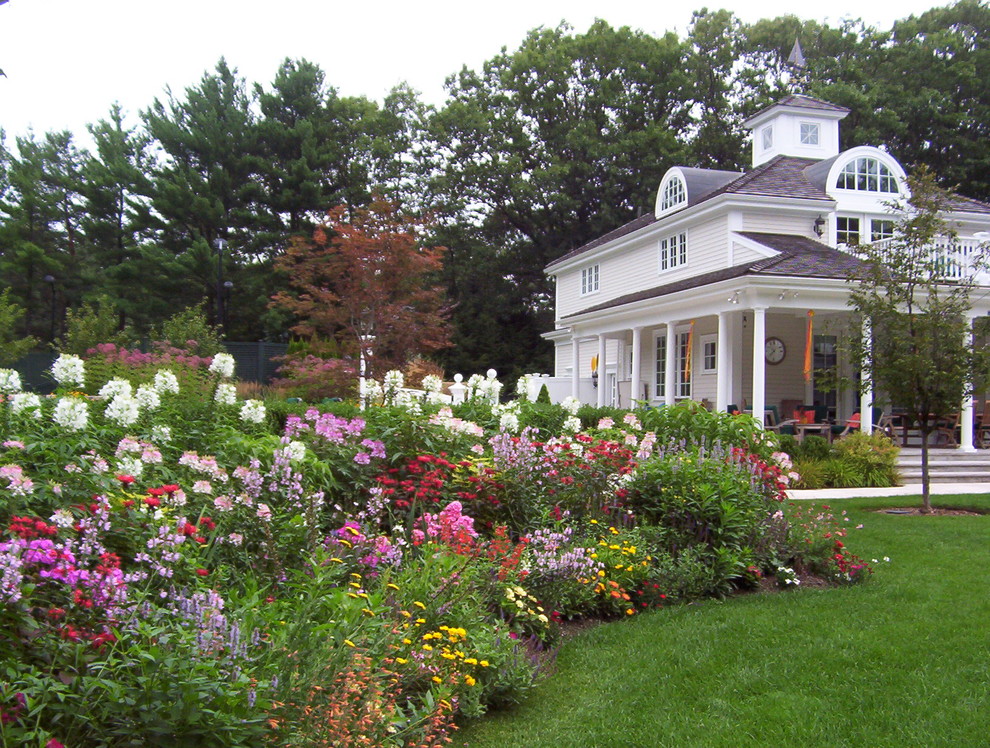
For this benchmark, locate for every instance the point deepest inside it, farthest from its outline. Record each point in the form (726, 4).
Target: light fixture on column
(820, 225)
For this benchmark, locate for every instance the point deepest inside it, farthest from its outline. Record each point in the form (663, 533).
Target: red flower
(53, 743)
(125, 479)
(170, 488)
(152, 501)
(202, 572)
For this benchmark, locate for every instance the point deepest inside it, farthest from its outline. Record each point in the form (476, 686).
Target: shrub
(841, 473)
(811, 474)
(92, 324)
(188, 330)
(814, 448)
(874, 457)
(312, 378)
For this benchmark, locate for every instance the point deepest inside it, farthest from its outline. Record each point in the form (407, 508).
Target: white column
(670, 368)
(723, 373)
(759, 363)
(966, 413)
(576, 367)
(866, 378)
(601, 370)
(635, 384)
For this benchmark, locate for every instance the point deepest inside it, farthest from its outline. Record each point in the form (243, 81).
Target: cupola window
(673, 194)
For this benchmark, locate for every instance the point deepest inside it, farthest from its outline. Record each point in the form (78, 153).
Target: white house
(743, 270)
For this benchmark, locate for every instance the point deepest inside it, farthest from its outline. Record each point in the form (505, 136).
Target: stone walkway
(912, 489)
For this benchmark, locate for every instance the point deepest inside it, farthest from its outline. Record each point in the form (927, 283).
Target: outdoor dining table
(802, 429)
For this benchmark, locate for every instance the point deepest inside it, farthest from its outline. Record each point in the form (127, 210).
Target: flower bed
(183, 568)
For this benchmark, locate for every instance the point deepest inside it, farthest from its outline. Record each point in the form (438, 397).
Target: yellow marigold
(428, 648)
(483, 663)
(437, 679)
(419, 605)
(402, 660)
(469, 680)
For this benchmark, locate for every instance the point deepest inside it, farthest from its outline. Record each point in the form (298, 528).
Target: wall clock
(774, 350)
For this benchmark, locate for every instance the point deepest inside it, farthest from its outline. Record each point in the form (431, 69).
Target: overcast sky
(67, 61)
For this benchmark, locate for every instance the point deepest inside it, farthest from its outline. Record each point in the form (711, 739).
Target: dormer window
(589, 280)
(810, 133)
(768, 137)
(673, 194)
(867, 175)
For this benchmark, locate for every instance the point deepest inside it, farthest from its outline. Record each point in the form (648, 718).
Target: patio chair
(947, 428)
(853, 424)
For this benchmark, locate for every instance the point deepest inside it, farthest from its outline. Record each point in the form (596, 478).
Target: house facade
(733, 290)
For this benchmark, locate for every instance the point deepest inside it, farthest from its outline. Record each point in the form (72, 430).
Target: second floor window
(589, 280)
(673, 251)
(867, 175)
(881, 229)
(846, 230)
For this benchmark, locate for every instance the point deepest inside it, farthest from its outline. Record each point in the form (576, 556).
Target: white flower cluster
(226, 394)
(253, 411)
(432, 383)
(371, 391)
(572, 424)
(166, 381)
(69, 369)
(148, 397)
(394, 381)
(222, 364)
(10, 381)
(161, 434)
(508, 416)
(71, 413)
(295, 451)
(21, 401)
(486, 388)
(116, 387)
(123, 410)
(522, 387)
(571, 404)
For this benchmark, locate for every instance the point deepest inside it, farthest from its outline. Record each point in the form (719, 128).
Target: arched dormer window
(867, 175)
(672, 194)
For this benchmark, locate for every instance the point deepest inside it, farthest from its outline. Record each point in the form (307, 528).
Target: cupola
(797, 125)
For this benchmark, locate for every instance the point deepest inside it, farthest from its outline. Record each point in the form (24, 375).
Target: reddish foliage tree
(365, 279)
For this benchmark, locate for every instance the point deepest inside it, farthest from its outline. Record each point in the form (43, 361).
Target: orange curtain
(809, 342)
(690, 348)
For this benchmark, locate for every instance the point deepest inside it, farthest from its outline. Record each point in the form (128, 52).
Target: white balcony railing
(957, 259)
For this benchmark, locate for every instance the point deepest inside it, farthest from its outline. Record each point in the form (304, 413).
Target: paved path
(912, 489)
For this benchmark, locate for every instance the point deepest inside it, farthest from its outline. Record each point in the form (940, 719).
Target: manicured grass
(902, 660)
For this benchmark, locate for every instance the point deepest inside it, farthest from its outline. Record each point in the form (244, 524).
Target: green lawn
(902, 660)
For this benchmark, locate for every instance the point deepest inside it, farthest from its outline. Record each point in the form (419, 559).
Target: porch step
(945, 466)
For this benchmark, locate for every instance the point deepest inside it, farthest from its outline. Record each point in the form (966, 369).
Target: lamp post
(218, 317)
(50, 280)
(227, 286)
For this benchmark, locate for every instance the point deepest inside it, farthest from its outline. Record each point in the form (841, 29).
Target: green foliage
(92, 324)
(841, 473)
(814, 448)
(544, 397)
(692, 424)
(189, 330)
(874, 457)
(12, 348)
(812, 475)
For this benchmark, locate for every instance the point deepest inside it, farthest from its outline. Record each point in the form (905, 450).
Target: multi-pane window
(867, 175)
(673, 251)
(660, 389)
(673, 194)
(768, 137)
(809, 133)
(880, 229)
(589, 280)
(709, 361)
(846, 230)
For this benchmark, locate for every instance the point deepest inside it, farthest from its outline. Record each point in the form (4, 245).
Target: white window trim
(854, 161)
(817, 130)
(659, 367)
(590, 279)
(679, 364)
(678, 239)
(704, 340)
(766, 138)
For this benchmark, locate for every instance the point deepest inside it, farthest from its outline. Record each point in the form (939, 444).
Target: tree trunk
(926, 499)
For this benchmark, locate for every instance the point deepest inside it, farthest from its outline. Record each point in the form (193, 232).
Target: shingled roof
(798, 256)
(805, 102)
(782, 176)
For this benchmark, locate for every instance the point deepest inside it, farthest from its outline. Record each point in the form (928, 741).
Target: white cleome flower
(223, 364)
(226, 394)
(432, 383)
(571, 404)
(253, 411)
(10, 381)
(69, 369)
(165, 381)
(572, 424)
(394, 380)
(161, 434)
(148, 397)
(71, 414)
(295, 451)
(21, 401)
(114, 387)
(123, 410)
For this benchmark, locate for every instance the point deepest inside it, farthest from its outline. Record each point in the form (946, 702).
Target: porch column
(576, 367)
(966, 413)
(866, 379)
(759, 363)
(601, 369)
(670, 367)
(723, 374)
(637, 363)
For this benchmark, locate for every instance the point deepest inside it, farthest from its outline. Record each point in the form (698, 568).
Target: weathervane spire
(798, 66)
